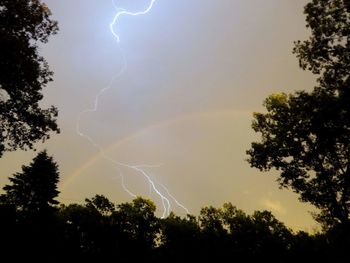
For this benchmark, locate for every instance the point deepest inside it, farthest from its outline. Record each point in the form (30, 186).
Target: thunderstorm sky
(197, 70)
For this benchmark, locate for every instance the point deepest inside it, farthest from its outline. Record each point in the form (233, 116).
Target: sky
(195, 72)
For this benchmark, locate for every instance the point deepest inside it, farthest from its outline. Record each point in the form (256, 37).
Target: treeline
(34, 226)
(305, 136)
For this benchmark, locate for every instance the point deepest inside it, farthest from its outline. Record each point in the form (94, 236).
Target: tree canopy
(35, 189)
(306, 135)
(24, 24)
(98, 230)
(326, 52)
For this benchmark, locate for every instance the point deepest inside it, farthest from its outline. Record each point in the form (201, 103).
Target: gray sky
(196, 70)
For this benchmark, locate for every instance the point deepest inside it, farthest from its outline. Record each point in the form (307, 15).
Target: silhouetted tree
(30, 201)
(241, 230)
(8, 230)
(33, 191)
(84, 231)
(138, 221)
(306, 135)
(214, 236)
(311, 248)
(272, 237)
(229, 231)
(90, 233)
(98, 231)
(211, 221)
(235, 220)
(326, 52)
(23, 25)
(179, 238)
(101, 204)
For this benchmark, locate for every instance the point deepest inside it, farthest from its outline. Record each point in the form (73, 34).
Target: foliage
(303, 139)
(306, 135)
(101, 204)
(138, 221)
(87, 231)
(210, 219)
(229, 230)
(24, 24)
(35, 189)
(100, 231)
(178, 231)
(326, 52)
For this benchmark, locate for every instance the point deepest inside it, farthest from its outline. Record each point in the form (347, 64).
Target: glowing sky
(197, 69)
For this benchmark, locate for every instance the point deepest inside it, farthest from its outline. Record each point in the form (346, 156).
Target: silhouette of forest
(35, 226)
(305, 136)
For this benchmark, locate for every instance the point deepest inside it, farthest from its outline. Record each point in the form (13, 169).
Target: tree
(24, 24)
(326, 52)
(211, 222)
(306, 135)
(138, 221)
(101, 204)
(271, 235)
(34, 190)
(214, 239)
(229, 231)
(235, 220)
(179, 239)
(85, 230)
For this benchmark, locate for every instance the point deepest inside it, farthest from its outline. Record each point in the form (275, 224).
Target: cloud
(274, 206)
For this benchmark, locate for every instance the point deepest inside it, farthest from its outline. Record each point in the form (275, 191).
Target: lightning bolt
(139, 169)
(127, 13)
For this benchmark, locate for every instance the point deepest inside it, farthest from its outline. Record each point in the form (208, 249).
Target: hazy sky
(196, 70)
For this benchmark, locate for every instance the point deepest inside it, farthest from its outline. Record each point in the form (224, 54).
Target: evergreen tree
(34, 189)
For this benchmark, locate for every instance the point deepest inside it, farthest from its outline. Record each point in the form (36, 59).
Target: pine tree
(34, 189)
